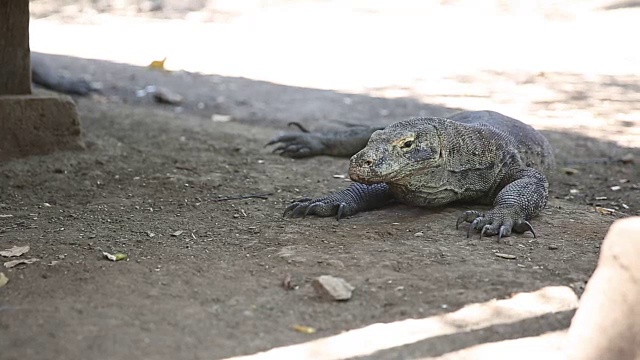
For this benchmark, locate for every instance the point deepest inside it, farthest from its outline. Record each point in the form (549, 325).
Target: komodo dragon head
(400, 150)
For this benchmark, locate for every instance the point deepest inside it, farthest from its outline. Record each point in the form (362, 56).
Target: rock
(570, 171)
(506, 256)
(166, 96)
(552, 247)
(418, 234)
(627, 158)
(333, 288)
(221, 118)
(287, 282)
(335, 263)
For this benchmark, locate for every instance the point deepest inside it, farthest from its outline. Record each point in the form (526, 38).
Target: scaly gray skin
(481, 157)
(343, 143)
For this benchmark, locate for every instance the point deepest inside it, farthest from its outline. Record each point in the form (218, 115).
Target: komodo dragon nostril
(368, 162)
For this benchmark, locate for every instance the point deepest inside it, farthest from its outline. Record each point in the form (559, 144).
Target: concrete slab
(606, 324)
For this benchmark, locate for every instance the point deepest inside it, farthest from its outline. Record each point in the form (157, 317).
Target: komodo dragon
(480, 157)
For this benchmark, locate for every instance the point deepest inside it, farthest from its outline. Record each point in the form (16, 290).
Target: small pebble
(418, 234)
(553, 247)
(627, 158)
(333, 288)
(166, 96)
(221, 118)
(570, 171)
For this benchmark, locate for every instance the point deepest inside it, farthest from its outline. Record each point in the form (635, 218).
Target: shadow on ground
(203, 279)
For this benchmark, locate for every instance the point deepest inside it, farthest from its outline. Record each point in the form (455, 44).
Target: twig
(240, 197)
(186, 167)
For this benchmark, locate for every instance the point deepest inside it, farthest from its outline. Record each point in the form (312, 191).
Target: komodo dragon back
(529, 142)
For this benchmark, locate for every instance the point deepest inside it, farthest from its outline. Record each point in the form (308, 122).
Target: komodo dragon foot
(343, 143)
(355, 198)
(497, 221)
(298, 145)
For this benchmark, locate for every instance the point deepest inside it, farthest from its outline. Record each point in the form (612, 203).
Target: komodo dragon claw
(306, 206)
(297, 145)
(357, 197)
(494, 222)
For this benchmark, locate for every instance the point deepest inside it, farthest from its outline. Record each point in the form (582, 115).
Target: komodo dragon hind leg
(524, 196)
(357, 197)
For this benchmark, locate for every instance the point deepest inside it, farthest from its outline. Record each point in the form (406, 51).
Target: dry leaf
(304, 329)
(506, 256)
(604, 211)
(15, 251)
(3, 279)
(10, 264)
(177, 233)
(115, 257)
(158, 64)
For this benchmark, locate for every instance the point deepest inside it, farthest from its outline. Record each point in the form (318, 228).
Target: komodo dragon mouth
(364, 175)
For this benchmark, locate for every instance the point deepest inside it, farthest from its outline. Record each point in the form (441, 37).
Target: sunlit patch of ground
(572, 66)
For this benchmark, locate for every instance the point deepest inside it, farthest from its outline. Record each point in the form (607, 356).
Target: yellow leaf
(158, 64)
(304, 329)
(3, 279)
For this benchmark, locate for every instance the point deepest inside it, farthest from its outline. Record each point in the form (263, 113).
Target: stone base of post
(37, 125)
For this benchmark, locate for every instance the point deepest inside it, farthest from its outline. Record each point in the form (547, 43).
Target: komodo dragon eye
(408, 144)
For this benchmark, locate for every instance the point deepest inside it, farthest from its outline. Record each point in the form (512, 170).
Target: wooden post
(15, 55)
(29, 125)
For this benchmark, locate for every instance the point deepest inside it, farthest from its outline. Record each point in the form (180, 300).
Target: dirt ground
(204, 274)
(214, 290)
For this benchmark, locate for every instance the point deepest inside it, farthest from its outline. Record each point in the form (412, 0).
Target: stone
(333, 288)
(35, 125)
(627, 158)
(166, 96)
(335, 263)
(606, 324)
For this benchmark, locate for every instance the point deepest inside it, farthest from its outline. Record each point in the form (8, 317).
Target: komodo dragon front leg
(344, 143)
(356, 198)
(523, 197)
